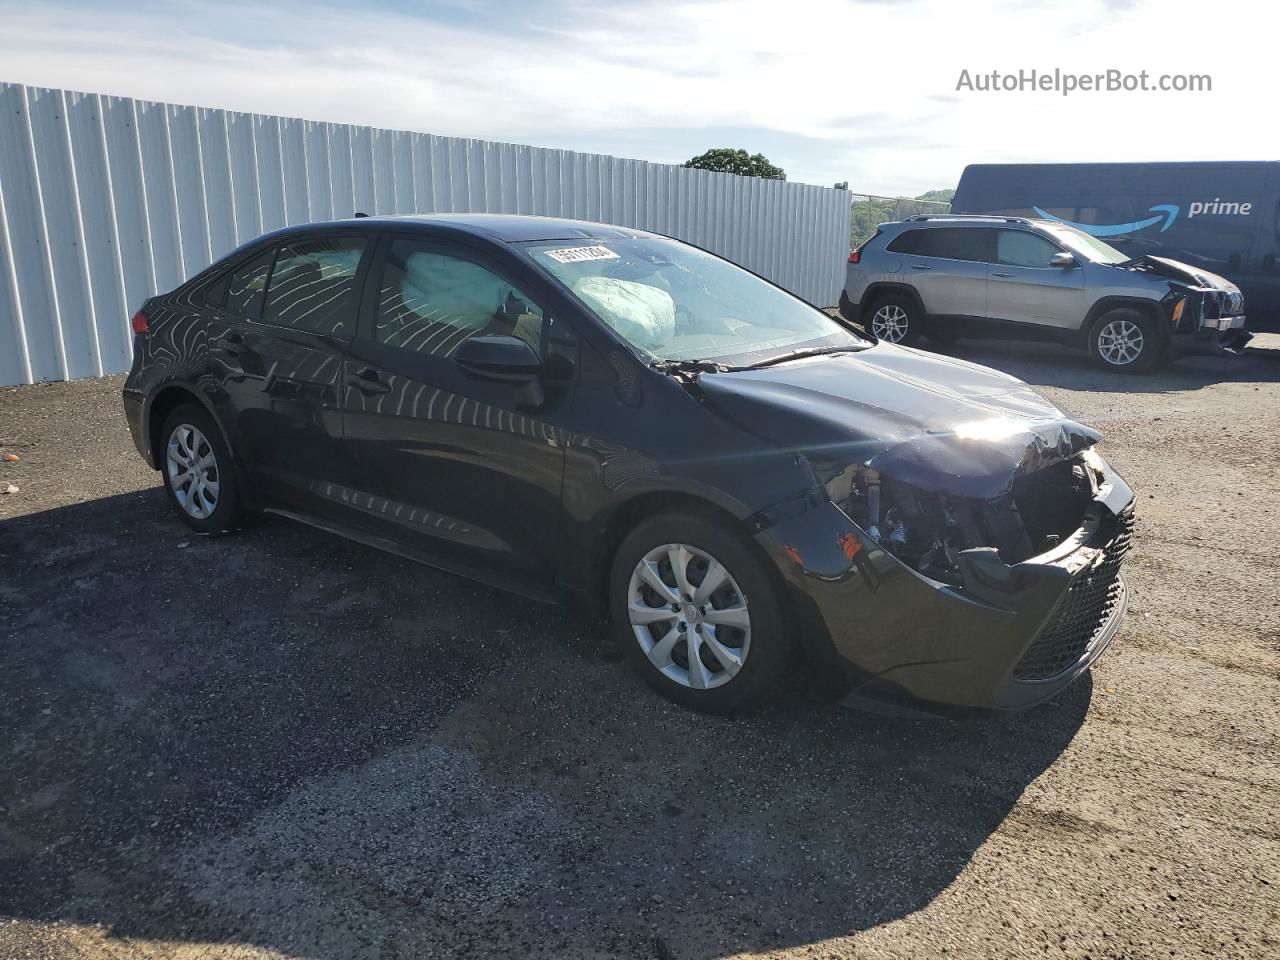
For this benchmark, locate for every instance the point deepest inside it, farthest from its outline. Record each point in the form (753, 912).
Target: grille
(1086, 608)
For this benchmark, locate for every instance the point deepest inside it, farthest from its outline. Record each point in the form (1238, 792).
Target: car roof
(503, 227)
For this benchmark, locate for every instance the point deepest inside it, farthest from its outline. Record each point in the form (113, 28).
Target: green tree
(728, 160)
(869, 212)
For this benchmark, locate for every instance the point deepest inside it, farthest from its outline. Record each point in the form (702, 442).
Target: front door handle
(368, 381)
(1004, 275)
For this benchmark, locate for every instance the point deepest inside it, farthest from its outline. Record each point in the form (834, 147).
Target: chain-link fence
(870, 210)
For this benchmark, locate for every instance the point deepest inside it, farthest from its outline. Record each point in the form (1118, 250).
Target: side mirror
(1063, 259)
(507, 359)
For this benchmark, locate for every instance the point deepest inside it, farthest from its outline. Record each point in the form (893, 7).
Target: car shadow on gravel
(281, 739)
(1050, 364)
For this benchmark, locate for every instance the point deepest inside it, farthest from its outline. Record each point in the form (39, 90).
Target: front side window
(676, 302)
(430, 302)
(1019, 248)
(313, 286)
(247, 285)
(1085, 245)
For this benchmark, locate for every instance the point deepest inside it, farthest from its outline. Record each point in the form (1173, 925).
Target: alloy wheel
(1120, 342)
(889, 323)
(193, 471)
(689, 616)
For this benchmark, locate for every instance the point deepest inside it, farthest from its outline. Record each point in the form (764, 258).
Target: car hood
(1182, 272)
(940, 424)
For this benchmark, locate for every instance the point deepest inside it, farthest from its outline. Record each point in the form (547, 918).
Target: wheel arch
(613, 527)
(163, 402)
(877, 291)
(1105, 305)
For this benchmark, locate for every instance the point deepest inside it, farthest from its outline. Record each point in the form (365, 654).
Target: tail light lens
(855, 256)
(140, 322)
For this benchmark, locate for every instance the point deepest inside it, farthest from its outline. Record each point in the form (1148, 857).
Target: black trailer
(1221, 217)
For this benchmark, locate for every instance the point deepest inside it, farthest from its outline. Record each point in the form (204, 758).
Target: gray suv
(946, 276)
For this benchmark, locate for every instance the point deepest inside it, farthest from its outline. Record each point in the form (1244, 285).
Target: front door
(464, 470)
(290, 315)
(1024, 288)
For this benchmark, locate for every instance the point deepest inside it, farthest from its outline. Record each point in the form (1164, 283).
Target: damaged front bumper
(1206, 318)
(1007, 637)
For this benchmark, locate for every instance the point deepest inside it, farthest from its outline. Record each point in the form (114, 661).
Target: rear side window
(909, 241)
(960, 243)
(313, 286)
(1018, 248)
(247, 284)
(215, 292)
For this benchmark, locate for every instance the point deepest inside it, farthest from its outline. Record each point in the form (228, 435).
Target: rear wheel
(895, 319)
(1127, 340)
(196, 466)
(698, 614)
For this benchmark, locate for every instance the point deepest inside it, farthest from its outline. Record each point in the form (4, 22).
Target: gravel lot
(280, 744)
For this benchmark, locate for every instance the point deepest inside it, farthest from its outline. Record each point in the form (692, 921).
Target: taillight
(855, 256)
(140, 323)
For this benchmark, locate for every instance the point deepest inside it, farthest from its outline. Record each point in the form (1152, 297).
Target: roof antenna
(361, 213)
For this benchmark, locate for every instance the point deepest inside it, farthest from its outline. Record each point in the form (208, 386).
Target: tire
(657, 640)
(205, 499)
(1127, 341)
(895, 319)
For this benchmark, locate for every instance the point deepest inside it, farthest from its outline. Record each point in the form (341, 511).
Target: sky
(830, 90)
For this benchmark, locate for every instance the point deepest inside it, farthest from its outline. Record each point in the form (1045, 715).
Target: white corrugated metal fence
(106, 200)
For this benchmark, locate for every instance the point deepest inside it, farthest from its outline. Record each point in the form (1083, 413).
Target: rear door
(948, 268)
(462, 469)
(290, 314)
(1024, 288)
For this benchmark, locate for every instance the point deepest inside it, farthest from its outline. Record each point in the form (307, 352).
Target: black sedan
(574, 410)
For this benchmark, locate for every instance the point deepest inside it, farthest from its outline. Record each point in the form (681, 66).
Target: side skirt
(390, 546)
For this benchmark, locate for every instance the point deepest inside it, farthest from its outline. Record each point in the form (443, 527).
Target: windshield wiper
(801, 354)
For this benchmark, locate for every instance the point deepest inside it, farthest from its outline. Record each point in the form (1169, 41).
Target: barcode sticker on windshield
(581, 254)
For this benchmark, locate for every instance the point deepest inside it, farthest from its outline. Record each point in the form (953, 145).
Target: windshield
(676, 302)
(1077, 241)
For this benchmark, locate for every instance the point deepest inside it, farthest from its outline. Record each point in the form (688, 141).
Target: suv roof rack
(968, 216)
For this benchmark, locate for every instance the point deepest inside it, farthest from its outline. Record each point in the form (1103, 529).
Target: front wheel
(698, 614)
(1127, 341)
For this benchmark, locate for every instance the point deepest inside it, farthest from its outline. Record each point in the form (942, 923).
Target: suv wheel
(697, 613)
(198, 476)
(1127, 340)
(895, 319)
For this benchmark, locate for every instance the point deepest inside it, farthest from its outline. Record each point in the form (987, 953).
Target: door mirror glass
(1062, 259)
(503, 358)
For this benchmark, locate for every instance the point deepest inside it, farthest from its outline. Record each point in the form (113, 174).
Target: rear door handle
(368, 381)
(921, 266)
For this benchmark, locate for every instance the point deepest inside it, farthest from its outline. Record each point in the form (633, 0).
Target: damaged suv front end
(959, 543)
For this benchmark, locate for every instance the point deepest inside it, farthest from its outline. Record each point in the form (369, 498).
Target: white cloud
(831, 90)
